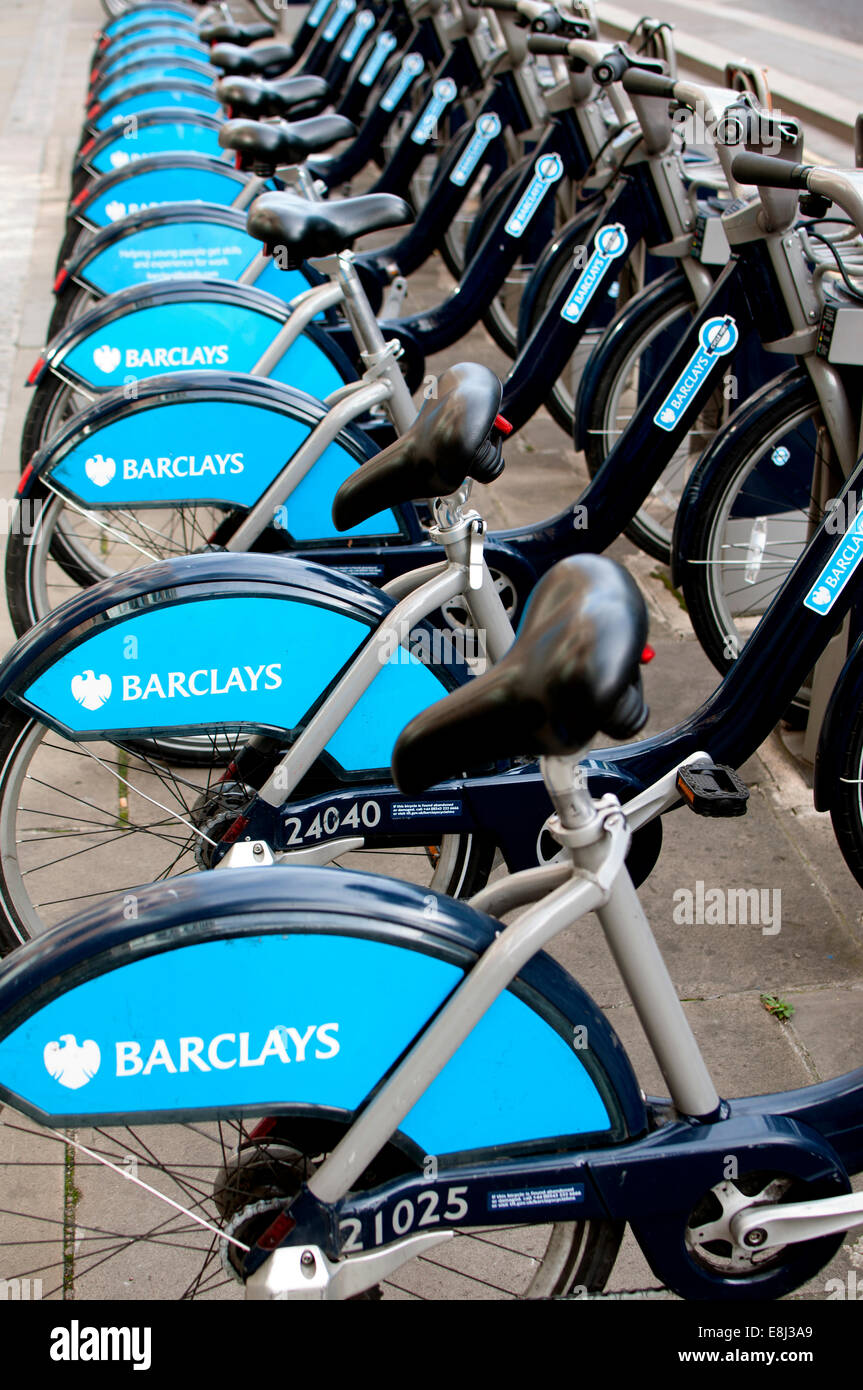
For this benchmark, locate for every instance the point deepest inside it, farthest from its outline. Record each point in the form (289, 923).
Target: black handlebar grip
(547, 43)
(548, 23)
(648, 84)
(610, 69)
(770, 172)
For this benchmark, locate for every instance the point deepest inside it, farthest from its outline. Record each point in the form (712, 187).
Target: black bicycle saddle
(228, 32)
(321, 229)
(268, 60)
(573, 672)
(244, 96)
(265, 145)
(448, 442)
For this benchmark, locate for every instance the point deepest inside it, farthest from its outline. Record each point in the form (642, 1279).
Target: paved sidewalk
(815, 961)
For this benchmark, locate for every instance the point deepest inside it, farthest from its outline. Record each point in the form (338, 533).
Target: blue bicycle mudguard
(140, 18)
(189, 96)
(204, 437)
(185, 238)
(331, 975)
(165, 41)
(155, 70)
(156, 132)
(262, 639)
(178, 324)
(154, 181)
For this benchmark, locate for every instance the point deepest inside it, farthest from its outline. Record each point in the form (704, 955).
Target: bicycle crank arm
(760, 1228)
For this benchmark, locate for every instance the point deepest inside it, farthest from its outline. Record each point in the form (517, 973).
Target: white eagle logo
(667, 416)
(821, 596)
(70, 1064)
(91, 690)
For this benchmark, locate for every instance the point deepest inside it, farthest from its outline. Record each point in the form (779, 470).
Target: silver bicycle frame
(596, 835)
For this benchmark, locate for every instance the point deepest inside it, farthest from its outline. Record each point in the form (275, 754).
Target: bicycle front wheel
(768, 485)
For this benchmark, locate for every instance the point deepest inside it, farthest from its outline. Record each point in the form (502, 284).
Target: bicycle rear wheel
(81, 820)
(80, 1220)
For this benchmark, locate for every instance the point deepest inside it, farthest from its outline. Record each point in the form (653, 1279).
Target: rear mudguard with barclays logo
(108, 1018)
(161, 131)
(202, 437)
(156, 180)
(174, 91)
(182, 324)
(220, 641)
(166, 243)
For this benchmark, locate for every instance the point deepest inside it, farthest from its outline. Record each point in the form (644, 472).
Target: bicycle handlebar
(769, 172)
(642, 83)
(549, 44)
(611, 69)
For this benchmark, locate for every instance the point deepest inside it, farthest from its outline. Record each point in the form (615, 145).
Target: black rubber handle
(648, 84)
(548, 43)
(770, 172)
(548, 23)
(610, 69)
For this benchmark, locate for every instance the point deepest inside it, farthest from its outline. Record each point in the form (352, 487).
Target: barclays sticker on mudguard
(412, 66)
(444, 92)
(171, 251)
(487, 128)
(547, 170)
(164, 137)
(717, 338)
(608, 245)
(157, 187)
(838, 570)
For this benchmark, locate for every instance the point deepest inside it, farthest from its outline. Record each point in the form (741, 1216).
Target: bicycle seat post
(378, 355)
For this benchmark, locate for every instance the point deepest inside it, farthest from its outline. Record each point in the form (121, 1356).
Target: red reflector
(86, 148)
(93, 75)
(93, 112)
(79, 197)
(235, 831)
(275, 1234)
(60, 279)
(647, 655)
(503, 425)
(35, 370)
(238, 159)
(22, 481)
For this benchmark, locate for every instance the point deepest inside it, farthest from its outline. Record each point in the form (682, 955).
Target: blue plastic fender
(159, 131)
(166, 42)
(141, 19)
(205, 437)
(283, 990)
(177, 92)
(164, 243)
(216, 640)
(157, 69)
(178, 324)
(173, 177)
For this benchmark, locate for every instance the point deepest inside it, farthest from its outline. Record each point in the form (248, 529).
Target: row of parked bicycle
(245, 572)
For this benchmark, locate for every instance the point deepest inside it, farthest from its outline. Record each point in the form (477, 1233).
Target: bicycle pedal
(712, 789)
